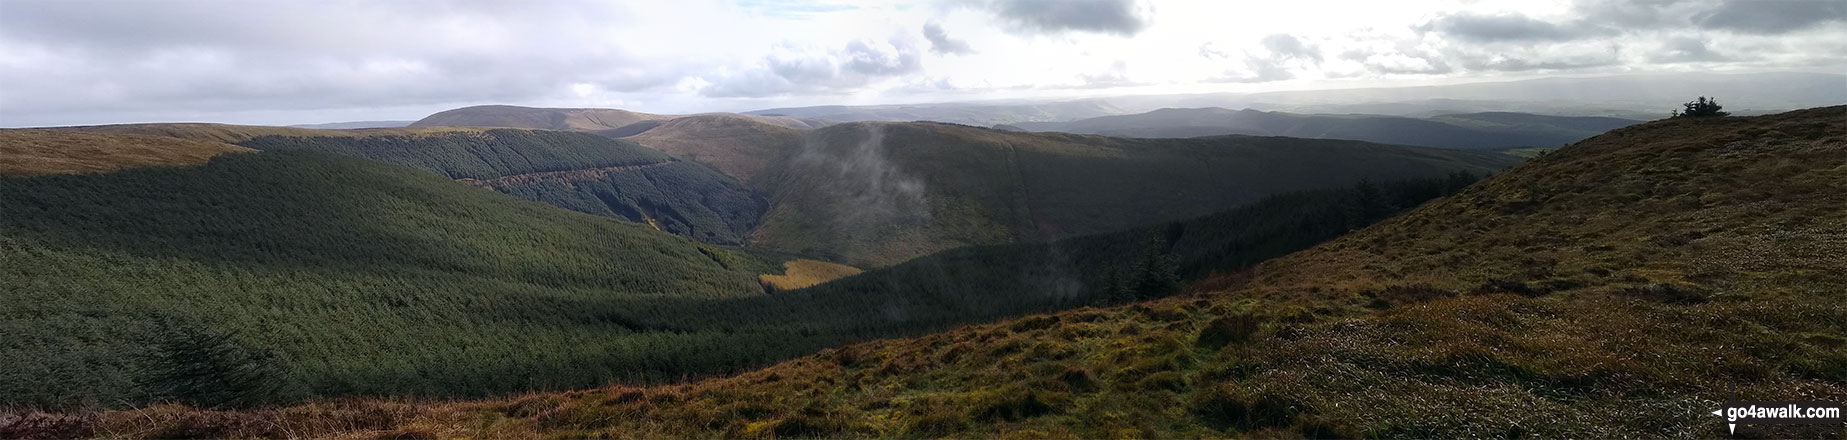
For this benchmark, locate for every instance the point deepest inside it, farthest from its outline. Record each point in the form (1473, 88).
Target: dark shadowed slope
(873, 194)
(1462, 131)
(1620, 287)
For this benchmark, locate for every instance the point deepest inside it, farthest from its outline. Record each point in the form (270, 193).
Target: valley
(1488, 306)
(923, 219)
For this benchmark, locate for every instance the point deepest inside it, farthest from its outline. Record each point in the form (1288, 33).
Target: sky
(70, 62)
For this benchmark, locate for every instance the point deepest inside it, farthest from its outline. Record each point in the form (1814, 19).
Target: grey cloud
(857, 63)
(1399, 62)
(1209, 50)
(1512, 64)
(1685, 49)
(1118, 17)
(864, 58)
(1632, 14)
(1116, 76)
(208, 56)
(1288, 46)
(1496, 28)
(941, 43)
(1260, 70)
(1772, 16)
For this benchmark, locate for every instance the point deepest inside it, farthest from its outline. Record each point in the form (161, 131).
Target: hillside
(262, 260)
(874, 194)
(29, 152)
(1494, 130)
(580, 119)
(576, 171)
(615, 122)
(351, 276)
(740, 147)
(1620, 287)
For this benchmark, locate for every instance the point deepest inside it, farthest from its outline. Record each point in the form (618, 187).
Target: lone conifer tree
(1701, 108)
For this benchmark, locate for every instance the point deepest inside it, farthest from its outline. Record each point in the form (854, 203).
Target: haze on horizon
(290, 62)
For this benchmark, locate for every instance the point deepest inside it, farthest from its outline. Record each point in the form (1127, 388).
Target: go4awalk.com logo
(1775, 413)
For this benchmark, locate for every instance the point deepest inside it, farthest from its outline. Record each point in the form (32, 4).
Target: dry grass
(803, 273)
(30, 151)
(739, 146)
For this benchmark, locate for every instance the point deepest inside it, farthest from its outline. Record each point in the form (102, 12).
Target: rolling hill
(608, 121)
(1623, 286)
(971, 113)
(743, 148)
(577, 171)
(29, 152)
(875, 194)
(1461, 131)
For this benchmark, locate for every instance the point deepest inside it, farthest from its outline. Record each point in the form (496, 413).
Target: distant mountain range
(1493, 130)
(956, 113)
(606, 121)
(1640, 97)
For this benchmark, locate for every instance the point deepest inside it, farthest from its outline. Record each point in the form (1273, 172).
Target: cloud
(941, 43)
(1285, 46)
(1772, 16)
(1116, 17)
(1401, 63)
(794, 69)
(1496, 28)
(1686, 49)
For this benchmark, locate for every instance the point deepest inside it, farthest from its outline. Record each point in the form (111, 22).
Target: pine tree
(1701, 108)
(207, 369)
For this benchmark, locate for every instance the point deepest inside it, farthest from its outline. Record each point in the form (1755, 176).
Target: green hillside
(360, 277)
(576, 171)
(346, 277)
(875, 194)
(1623, 286)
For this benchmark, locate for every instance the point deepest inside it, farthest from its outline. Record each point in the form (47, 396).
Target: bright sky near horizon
(65, 62)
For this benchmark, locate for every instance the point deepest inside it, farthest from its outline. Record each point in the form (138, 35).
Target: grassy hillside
(737, 146)
(1619, 287)
(1493, 130)
(29, 152)
(582, 119)
(352, 276)
(874, 194)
